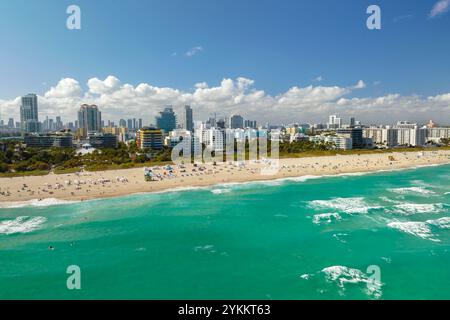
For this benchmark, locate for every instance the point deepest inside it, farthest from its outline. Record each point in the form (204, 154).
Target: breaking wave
(442, 223)
(412, 190)
(21, 225)
(347, 205)
(408, 209)
(415, 228)
(35, 203)
(343, 275)
(326, 218)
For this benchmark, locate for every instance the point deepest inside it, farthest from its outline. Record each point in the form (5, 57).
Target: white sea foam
(442, 223)
(347, 205)
(386, 199)
(408, 209)
(415, 228)
(326, 218)
(21, 225)
(35, 203)
(339, 236)
(342, 276)
(412, 190)
(306, 276)
(207, 248)
(220, 191)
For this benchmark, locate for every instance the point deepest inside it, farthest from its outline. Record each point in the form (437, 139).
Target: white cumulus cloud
(439, 8)
(64, 89)
(311, 103)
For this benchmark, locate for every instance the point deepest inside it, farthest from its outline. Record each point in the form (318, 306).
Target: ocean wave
(207, 248)
(35, 203)
(386, 199)
(220, 191)
(326, 218)
(23, 224)
(408, 209)
(415, 228)
(412, 190)
(347, 205)
(442, 223)
(342, 276)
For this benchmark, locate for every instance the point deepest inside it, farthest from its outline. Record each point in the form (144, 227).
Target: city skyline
(169, 120)
(431, 108)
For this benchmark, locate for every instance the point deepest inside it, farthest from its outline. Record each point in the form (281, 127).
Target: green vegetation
(319, 153)
(445, 141)
(20, 161)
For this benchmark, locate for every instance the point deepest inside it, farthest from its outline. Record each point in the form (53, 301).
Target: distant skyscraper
(334, 122)
(140, 124)
(122, 123)
(352, 122)
(237, 122)
(11, 123)
(188, 119)
(166, 120)
(29, 114)
(59, 124)
(130, 124)
(221, 124)
(211, 123)
(250, 124)
(89, 119)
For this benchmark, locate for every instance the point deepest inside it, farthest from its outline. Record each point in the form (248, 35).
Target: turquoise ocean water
(290, 239)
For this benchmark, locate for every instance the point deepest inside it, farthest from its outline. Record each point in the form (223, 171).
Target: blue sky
(278, 44)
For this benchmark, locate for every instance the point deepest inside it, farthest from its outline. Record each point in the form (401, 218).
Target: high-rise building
(356, 134)
(236, 122)
(59, 124)
(139, 124)
(122, 123)
(11, 123)
(187, 140)
(188, 119)
(211, 138)
(334, 122)
(221, 124)
(103, 140)
(166, 120)
(29, 114)
(149, 138)
(250, 124)
(89, 119)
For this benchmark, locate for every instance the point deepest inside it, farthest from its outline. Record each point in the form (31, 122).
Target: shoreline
(39, 191)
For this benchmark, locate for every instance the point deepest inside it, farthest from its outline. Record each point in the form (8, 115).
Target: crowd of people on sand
(84, 183)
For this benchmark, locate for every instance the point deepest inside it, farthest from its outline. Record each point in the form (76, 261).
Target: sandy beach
(114, 183)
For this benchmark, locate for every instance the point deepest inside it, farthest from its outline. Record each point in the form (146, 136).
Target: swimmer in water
(51, 248)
